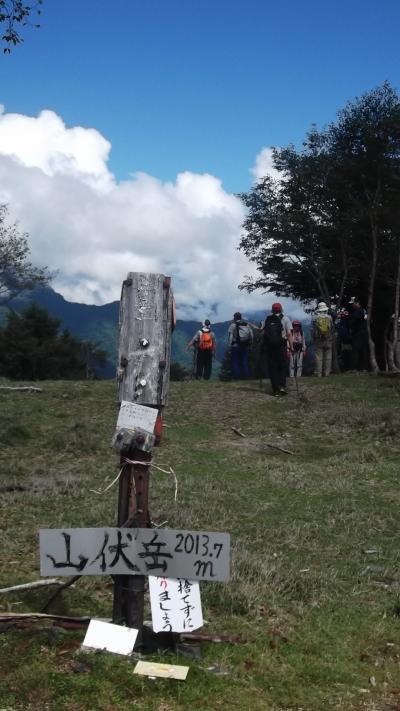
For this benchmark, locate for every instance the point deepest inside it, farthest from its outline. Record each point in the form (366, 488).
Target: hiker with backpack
(322, 334)
(298, 350)
(240, 340)
(343, 340)
(205, 345)
(277, 341)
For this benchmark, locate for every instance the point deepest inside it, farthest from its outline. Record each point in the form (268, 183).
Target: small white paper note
(167, 671)
(113, 638)
(175, 604)
(132, 415)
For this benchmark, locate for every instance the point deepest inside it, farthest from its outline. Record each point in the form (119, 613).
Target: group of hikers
(282, 343)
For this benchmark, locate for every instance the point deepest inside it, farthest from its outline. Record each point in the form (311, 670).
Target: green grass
(315, 587)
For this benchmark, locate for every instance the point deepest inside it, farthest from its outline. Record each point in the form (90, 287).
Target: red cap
(277, 307)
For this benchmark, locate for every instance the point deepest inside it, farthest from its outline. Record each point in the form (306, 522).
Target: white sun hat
(322, 306)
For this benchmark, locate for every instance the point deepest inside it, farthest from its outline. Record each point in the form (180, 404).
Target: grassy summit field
(315, 588)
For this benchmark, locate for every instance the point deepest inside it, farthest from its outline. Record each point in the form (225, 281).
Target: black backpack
(273, 331)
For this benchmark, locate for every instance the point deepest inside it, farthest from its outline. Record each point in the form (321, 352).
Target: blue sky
(129, 127)
(200, 85)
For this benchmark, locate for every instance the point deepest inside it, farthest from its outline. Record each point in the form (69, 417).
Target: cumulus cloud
(264, 165)
(92, 229)
(45, 142)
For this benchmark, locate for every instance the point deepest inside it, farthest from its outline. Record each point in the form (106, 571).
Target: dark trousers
(360, 351)
(240, 362)
(204, 364)
(277, 366)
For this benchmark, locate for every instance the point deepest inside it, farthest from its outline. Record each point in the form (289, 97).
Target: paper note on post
(166, 671)
(132, 415)
(175, 604)
(113, 638)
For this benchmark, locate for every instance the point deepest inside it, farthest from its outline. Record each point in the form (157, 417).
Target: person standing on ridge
(343, 340)
(299, 349)
(359, 335)
(277, 341)
(322, 334)
(390, 339)
(205, 344)
(240, 340)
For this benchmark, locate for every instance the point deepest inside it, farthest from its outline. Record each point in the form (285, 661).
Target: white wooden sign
(132, 415)
(175, 604)
(194, 555)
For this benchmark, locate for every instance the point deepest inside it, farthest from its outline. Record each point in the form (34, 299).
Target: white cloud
(264, 165)
(93, 230)
(45, 142)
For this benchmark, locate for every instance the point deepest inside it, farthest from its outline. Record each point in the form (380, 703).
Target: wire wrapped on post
(126, 461)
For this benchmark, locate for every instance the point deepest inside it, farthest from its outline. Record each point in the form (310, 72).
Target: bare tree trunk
(371, 289)
(314, 274)
(324, 291)
(345, 263)
(335, 355)
(386, 346)
(395, 331)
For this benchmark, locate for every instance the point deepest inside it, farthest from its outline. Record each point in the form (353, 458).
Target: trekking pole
(260, 367)
(259, 351)
(193, 364)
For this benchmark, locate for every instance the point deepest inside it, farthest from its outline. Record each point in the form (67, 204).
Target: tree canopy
(329, 228)
(32, 348)
(14, 15)
(17, 273)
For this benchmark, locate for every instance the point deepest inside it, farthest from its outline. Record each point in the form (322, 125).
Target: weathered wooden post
(146, 320)
(131, 551)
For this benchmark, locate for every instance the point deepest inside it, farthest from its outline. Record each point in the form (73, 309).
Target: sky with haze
(128, 128)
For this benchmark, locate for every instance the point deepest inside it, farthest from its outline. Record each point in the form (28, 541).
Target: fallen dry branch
(25, 619)
(238, 432)
(26, 388)
(7, 616)
(263, 445)
(275, 446)
(29, 586)
(63, 586)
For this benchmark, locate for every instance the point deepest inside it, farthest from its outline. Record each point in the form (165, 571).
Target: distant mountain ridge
(100, 324)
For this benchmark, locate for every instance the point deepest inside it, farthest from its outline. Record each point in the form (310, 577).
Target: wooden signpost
(133, 550)
(146, 321)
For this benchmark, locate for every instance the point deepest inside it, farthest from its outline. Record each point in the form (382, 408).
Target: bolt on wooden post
(146, 321)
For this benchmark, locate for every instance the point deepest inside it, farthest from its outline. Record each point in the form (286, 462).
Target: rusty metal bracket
(125, 440)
